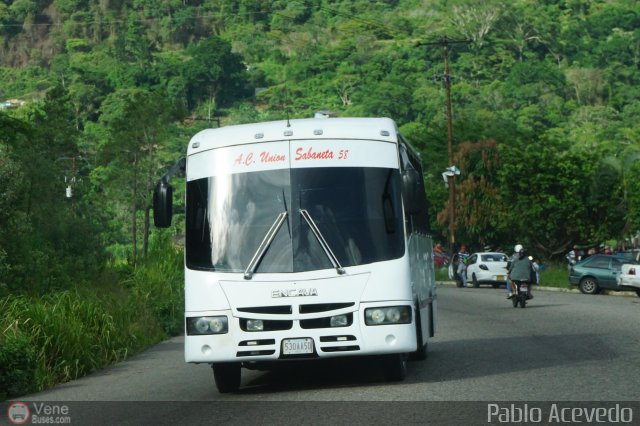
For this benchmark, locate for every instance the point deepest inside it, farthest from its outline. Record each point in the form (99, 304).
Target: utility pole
(73, 180)
(451, 177)
(452, 170)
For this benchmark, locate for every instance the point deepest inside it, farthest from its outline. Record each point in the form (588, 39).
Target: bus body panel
(423, 281)
(370, 340)
(363, 287)
(366, 282)
(378, 129)
(295, 154)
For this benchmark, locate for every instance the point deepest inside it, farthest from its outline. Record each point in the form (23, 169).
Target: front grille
(275, 310)
(262, 342)
(269, 325)
(255, 353)
(340, 348)
(323, 307)
(324, 322)
(325, 339)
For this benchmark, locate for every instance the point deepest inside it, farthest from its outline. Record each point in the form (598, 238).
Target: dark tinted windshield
(357, 210)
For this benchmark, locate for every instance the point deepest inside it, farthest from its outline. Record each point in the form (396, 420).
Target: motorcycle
(521, 293)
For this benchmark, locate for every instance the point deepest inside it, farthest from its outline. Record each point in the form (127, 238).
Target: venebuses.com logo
(19, 413)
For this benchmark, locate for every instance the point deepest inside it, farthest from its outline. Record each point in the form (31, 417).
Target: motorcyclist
(521, 269)
(514, 256)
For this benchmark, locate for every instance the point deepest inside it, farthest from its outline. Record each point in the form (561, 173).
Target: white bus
(305, 239)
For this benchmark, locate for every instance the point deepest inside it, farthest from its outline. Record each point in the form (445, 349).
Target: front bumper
(357, 339)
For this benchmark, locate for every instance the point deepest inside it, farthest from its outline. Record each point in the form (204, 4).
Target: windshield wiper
(264, 245)
(323, 243)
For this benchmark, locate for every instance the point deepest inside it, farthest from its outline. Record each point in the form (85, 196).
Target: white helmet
(518, 248)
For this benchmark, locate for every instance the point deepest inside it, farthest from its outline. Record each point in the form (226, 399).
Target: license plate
(523, 287)
(297, 346)
(500, 277)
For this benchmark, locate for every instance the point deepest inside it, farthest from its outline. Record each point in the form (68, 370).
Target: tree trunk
(134, 225)
(145, 231)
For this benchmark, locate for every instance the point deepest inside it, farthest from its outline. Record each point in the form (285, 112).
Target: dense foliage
(546, 118)
(553, 83)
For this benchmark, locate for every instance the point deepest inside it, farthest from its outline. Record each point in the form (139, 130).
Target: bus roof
(382, 129)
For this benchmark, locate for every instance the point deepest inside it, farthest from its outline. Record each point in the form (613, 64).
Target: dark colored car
(597, 272)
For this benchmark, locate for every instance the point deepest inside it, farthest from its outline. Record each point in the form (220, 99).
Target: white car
(630, 277)
(487, 268)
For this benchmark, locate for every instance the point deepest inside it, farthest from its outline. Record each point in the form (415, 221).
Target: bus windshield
(357, 210)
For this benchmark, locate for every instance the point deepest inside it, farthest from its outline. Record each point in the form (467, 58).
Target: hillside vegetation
(546, 120)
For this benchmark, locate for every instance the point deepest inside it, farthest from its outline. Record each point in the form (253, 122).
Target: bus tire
(421, 353)
(395, 367)
(227, 376)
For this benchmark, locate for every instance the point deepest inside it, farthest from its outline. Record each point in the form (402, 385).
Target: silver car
(487, 268)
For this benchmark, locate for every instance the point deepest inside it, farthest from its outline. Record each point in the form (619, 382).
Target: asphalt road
(562, 347)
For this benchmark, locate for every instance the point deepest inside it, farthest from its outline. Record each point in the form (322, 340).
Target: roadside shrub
(18, 364)
(70, 334)
(49, 338)
(555, 275)
(157, 283)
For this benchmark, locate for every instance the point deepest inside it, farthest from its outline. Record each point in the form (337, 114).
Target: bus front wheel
(227, 376)
(395, 367)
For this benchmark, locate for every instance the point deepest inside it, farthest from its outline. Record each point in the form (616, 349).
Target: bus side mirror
(162, 204)
(411, 191)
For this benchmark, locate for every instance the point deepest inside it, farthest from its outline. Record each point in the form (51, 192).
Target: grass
(60, 336)
(555, 275)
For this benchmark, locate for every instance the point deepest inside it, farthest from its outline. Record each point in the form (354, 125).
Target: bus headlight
(387, 315)
(207, 325)
(255, 325)
(339, 321)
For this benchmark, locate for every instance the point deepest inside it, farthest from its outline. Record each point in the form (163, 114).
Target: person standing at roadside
(463, 252)
(438, 256)
(463, 256)
(573, 257)
(536, 269)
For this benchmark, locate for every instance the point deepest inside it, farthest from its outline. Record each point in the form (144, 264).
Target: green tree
(51, 236)
(11, 188)
(616, 174)
(214, 74)
(478, 201)
(137, 122)
(546, 189)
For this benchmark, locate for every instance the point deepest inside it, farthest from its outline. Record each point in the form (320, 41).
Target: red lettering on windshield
(241, 160)
(267, 157)
(311, 154)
